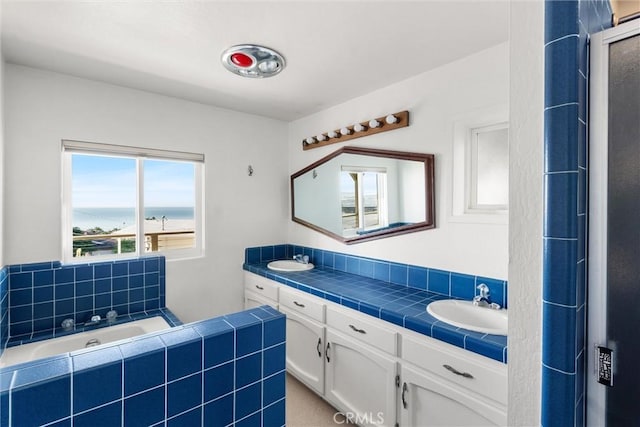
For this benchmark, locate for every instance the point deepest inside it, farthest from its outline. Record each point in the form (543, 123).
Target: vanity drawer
(303, 303)
(261, 286)
(476, 373)
(361, 327)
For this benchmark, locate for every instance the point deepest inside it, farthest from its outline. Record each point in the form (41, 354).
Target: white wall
(2, 168)
(434, 100)
(525, 214)
(44, 107)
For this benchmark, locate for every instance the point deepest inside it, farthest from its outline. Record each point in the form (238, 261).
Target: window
(363, 198)
(122, 201)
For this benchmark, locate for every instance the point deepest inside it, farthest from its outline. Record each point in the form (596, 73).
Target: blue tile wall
(441, 282)
(39, 296)
(4, 307)
(196, 374)
(567, 25)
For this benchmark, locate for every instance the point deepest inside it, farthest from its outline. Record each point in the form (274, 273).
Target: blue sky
(100, 181)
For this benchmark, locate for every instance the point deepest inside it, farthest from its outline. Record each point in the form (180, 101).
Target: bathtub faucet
(95, 319)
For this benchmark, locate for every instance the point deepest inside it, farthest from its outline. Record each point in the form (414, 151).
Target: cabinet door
(305, 350)
(360, 381)
(427, 401)
(252, 300)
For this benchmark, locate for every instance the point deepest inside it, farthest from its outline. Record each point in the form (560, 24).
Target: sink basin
(288, 265)
(464, 314)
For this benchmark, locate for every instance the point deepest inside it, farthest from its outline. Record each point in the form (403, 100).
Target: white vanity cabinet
(305, 337)
(259, 291)
(445, 386)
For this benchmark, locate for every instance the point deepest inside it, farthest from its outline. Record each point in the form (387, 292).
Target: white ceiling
(335, 51)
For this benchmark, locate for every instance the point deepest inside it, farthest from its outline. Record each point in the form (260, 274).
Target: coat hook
(250, 170)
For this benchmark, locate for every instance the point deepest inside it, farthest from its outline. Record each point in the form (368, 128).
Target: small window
(363, 199)
(124, 201)
(489, 168)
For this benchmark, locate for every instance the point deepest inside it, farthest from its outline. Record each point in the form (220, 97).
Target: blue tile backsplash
(567, 25)
(41, 295)
(203, 373)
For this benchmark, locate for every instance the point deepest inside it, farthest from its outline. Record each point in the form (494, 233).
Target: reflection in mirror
(360, 194)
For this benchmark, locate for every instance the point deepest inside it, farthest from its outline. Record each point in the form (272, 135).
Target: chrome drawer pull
(455, 371)
(298, 304)
(404, 390)
(360, 331)
(260, 287)
(318, 347)
(326, 352)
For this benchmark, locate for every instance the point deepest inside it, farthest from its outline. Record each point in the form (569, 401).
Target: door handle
(455, 371)
(326, 352)
(318, 347)
(404, 390)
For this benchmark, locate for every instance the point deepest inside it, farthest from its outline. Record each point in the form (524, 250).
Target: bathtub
(37, 350)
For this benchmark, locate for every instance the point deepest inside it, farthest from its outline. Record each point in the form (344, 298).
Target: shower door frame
(598, 129)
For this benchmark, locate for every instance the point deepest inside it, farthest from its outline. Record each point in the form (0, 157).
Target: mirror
(360, 194)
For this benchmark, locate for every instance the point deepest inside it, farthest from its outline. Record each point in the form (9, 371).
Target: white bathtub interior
(37, 350)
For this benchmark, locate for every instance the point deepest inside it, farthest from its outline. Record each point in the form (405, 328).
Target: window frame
(71, 147)
(383, 204)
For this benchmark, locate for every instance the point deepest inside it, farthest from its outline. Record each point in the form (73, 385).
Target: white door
(305, 350)
(360, 381)
(429, 401)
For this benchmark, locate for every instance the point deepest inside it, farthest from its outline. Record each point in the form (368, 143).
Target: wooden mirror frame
(428, 223)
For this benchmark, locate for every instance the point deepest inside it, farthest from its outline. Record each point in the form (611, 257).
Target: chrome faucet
(483, 299)
(304, 259)
(95, 319)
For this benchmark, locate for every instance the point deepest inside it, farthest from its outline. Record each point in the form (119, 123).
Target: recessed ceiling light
(254, 61)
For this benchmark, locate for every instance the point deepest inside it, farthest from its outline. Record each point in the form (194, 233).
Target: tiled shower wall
(4, 308)
(41, 295)
(567, 26)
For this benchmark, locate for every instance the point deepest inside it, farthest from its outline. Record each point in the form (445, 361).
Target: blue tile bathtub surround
(400, 304)
(41, 295)
(441, 282)
(190, 375)
(567, 25)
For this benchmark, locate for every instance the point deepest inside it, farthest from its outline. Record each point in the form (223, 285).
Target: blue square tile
(279, 252)
(366, 268)
(84, 273)
(218, 349)
(558, 402)
(120, 268)
(20, 280)
(483, 347)
(120, 283)
(151, 265)
(559, 271)
(136, 295)
(136, 307)
(561, 191)
(446, 333)
(273, 388)
(381, 271)
(252, 255)
(43, 324)
(120, 298)
(62, 291)
(248, 400)
(274, 360)
(144, 364)
(21, 297)
(392, 316)
(248, 339)
(152, 292)
(582, 145)
(417, 277)
(218, 381)
(105, 416)
(151, 304)
(43, 278)
(274, 331)
(399, 274)
(188, 419)
(102, 271)
(145, 409)
(219, 413)
(340, 262)
(328, 259)
(266, 253)
(42, 310)
(43, 294)
(254, 420)
(136, 267)
(84, 288)
(184, 353)
(184, 394)
(561, 71)
(582, 191)
(420, 323)
(248, 369)
(64, 275)
(151, 279)
(53, 399)
(89, 372)
(136, 281)
(102, 286)
(438, 282)
(274, 415)
(462, 286)
(21, 328)
(21, 314)
(353, 265)
(61, 423)
(102, 301)
(65, 306)
(560, 19)
(558, 331)
(561, 138)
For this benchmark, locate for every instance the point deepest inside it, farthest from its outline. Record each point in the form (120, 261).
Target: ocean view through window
(124, 201)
